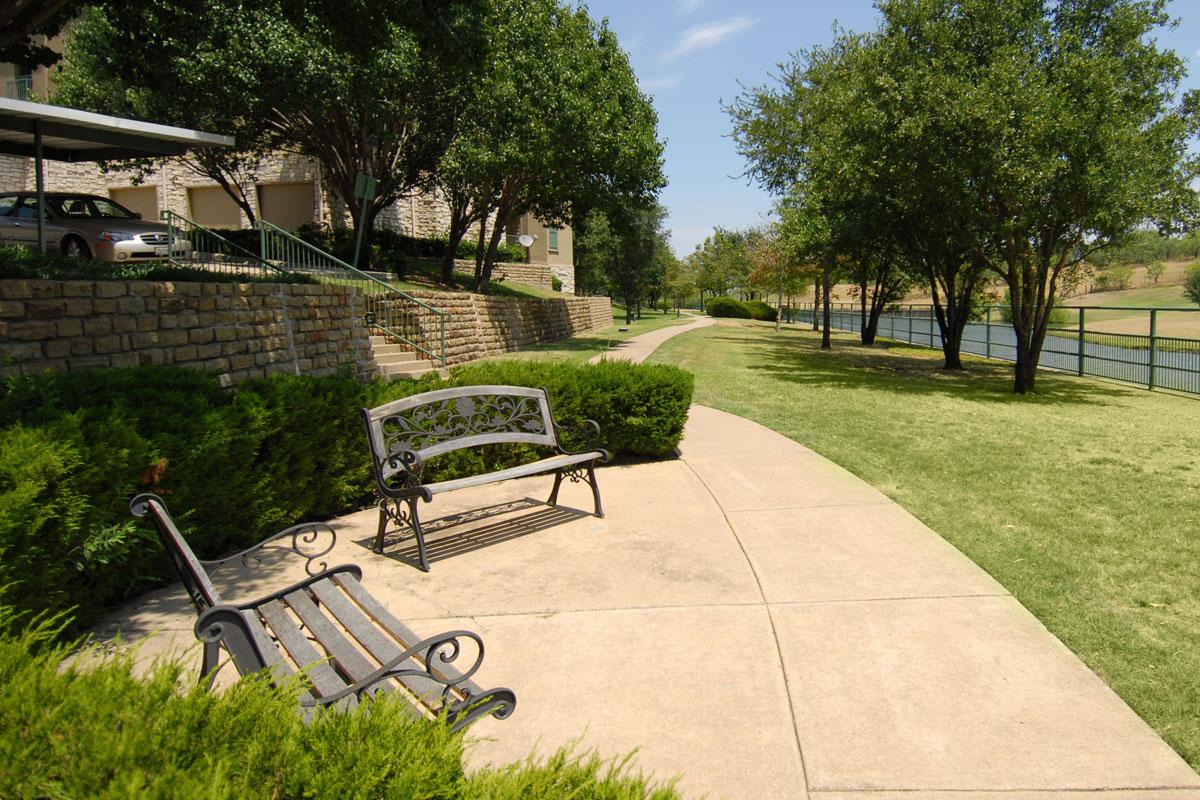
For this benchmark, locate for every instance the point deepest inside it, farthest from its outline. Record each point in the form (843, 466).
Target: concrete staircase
(395, 361)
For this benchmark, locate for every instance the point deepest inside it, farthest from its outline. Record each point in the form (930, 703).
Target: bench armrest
(590, 430)
(309, 540)
(405, 480)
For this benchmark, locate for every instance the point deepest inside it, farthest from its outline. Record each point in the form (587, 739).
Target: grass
(1079, 499)
(581, 348)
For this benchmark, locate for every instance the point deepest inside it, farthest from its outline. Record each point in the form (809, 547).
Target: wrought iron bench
(327, 628)
(406, 433)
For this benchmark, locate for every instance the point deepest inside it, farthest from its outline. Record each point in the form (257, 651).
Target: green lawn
(1081, 500)
(583, 347)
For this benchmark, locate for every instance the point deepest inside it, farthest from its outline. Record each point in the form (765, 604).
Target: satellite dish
(525, 239)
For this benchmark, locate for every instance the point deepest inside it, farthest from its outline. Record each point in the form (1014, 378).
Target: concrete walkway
(757, 620)
(637, 348)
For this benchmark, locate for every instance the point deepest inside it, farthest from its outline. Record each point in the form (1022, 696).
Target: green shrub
(557, 285)
(727, 307)
(103, 731)
(1111, 278)
(1191, 283)
(236, 466)
(24, 262)
(760, 310)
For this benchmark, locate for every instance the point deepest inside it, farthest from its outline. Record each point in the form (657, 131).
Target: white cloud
(688, 6)
(709, 34)
(1198, 55)
(666, 82)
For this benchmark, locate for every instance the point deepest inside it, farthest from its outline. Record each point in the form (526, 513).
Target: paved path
(759, 621)
(637, 348)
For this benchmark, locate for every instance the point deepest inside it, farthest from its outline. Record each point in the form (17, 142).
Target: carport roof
(72, 135)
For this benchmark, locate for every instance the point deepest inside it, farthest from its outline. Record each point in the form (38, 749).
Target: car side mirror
(137, 215)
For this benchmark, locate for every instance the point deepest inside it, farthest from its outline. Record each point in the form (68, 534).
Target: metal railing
(19, 88)
(189, 244)
(389, 311)
(1076, 340)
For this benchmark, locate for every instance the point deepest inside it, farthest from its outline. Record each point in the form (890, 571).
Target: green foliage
(727, 307)
(24, 262)
(1154, 271)
(555, 283)
(237, 466)
(1191, 283)
(1116, 276)
(1148, 246)
(760, 310)
(102, 730)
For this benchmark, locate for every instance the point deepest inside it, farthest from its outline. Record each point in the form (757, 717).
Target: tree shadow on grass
(902, 369)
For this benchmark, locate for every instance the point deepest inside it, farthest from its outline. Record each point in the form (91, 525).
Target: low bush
(760, 310)
(237, 465)
(727, 307)
(396, 252)
(24, 262)
(1191, 283)
(103, 731)
(1114, 277)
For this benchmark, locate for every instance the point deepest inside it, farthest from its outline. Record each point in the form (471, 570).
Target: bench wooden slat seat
(329, 630)
(406, 433)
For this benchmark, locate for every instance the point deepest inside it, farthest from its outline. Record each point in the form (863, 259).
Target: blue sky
(690, 55)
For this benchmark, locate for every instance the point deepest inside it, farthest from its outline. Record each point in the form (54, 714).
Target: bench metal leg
(208, 666)
(390, 510)
(576, 475)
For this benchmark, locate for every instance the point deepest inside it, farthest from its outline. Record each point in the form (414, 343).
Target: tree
(1191, 284)
(1154, 271)
(595, 249)
(776, 269)
(1061, 116)
(366, 87)
(585, 137)
(23, 20)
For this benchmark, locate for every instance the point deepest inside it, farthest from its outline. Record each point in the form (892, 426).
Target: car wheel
(74, 247)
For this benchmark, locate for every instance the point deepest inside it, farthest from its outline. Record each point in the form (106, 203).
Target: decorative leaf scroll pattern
(431, 424)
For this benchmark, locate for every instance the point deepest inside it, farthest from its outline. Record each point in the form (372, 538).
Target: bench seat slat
(382, 647)
(323, 677)
(346, 657)
(384, 618)
(521, 471)
(274, 660)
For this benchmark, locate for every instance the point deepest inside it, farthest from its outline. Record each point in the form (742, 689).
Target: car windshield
(88, 208)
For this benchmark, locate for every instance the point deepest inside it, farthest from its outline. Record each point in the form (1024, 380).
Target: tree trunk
(826, 343)
(816, 302)
(479, 250)
(483, 285)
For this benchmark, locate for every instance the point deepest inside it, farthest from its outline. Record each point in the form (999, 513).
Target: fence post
(1153, 333)
(1082, 345)
(262, 243)
(931, 326)
(987, 322)
(909, 317)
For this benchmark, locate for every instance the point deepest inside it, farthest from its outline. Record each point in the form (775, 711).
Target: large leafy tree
(1063, 121)
(370, 86)
(557, 127)
(22, 21)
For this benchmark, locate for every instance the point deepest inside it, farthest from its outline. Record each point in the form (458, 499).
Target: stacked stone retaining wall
(241, 331)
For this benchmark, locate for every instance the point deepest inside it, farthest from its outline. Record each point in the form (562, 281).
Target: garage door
(213, 208)
(288, 205)
(141, 199)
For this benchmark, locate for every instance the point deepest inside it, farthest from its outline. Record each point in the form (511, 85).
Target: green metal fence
(1105, 342)
(390, 312)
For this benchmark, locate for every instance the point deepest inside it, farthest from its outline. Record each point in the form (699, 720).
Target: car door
(8, 204)
(22, 227)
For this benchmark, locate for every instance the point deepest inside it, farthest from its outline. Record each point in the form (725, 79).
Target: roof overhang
(72, 135)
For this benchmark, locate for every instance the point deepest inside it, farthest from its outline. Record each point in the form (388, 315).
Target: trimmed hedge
(727, 307)
(105, 732)
(27, 263)
(741, 309)
(238, 465)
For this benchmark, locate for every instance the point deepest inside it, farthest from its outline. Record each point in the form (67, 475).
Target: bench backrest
(195, 580)
(433, 423)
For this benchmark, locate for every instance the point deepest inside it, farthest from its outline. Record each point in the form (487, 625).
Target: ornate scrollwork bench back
(404, 434)
(326, 631)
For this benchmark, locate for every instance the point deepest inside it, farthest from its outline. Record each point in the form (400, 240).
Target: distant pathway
(639, 347)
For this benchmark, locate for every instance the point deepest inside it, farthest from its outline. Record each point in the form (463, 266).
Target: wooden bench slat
(346, 657)
(275, 661)
(324, 679)
(381, 647)
(521, 471)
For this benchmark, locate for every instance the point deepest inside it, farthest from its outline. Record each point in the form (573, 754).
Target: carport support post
(41, 185)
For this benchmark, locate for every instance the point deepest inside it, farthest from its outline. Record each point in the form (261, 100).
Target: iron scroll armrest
(309, 540)
(405, 478)
(353, 570)
(590, 431)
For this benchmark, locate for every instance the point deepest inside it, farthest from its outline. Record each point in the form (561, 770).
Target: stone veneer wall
(236, 331)
(531, 274)
(487, 326)
(241, 331)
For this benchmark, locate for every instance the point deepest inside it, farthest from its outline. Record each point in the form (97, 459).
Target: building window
(553, 233)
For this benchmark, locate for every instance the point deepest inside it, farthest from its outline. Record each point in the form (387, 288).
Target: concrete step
(399, 360)
(394, 351)
(410, 370)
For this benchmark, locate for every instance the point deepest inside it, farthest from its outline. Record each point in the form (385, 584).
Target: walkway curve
(753, 618)
(638, 348)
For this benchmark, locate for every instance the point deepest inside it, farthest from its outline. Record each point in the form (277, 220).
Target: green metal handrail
(190, 244)
(389, 310)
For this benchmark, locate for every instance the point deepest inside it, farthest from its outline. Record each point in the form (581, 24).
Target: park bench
(327, 629)
(406, 433)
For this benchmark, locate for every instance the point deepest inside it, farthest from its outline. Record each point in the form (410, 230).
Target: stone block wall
(236, 331)
(487, 326)
(530, 274)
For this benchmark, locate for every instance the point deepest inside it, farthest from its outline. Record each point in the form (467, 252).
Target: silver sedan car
(88, 226)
